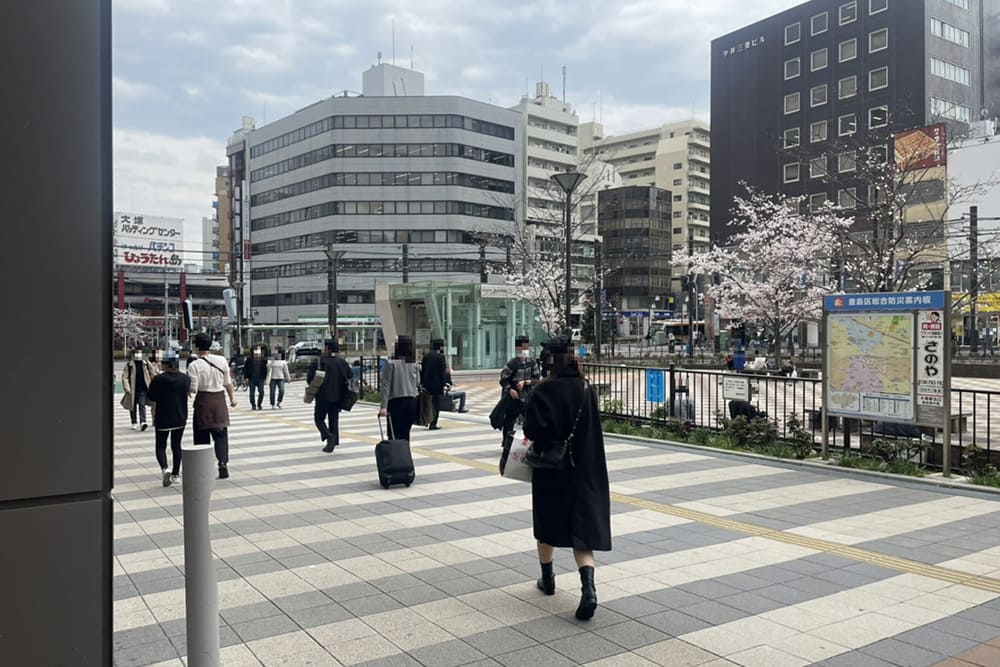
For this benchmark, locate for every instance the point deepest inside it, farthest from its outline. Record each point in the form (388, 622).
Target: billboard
(146, 240)
(922, 148)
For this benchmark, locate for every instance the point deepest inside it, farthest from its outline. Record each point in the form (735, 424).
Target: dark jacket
(335, 383)
(255, 368)
(570, 508)
(520, 370)
(170, 393)
(434, 373)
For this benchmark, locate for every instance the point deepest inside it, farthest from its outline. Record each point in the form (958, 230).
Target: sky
(187, 71)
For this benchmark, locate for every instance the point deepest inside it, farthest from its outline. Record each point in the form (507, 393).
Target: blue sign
(635, 313)
(655, 386)
(848, 303)
(581, 351)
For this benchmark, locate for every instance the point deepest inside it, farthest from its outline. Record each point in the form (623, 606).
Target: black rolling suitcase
(394, 460)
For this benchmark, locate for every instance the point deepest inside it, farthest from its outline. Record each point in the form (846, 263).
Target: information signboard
(655, 386)
(735, 388)
(145, 240)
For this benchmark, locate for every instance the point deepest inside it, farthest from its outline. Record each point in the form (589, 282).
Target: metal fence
(622, 394)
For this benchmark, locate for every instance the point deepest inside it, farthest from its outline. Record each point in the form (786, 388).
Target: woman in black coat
(571, 507)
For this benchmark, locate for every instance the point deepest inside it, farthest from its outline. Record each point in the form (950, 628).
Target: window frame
(784, 172)
(871, 3)
(840, 93)
(877, 70)
(840, 50)
(853, 165)
(826, 59)
(840, 13)
(798, 137)
(812, 24)
(812, 95)
(872, 34)
(840, 120)
(798, 37)
(798, 103)
(881, 107)
(853, 204)
(823, 172)
(812, 196)
(825, 124)
(798, 71)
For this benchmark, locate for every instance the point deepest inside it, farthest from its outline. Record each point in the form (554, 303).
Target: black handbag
(499, 413)
(557, 455)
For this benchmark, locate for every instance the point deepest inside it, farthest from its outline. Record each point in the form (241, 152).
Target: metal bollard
(201, 591)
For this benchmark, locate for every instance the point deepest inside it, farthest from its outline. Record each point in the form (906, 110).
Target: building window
(949, 32)
(817, 167)
(817, 95)
(848, 12)
(879, 153)
(816, 201)
(793, 68)
(964, 4)
(817, 131)
(793, 33)
(878, 40)
(847, 87)
(678, 214)
(955, 73)
(791, 173)
(678, 165)
(847, 198)
(678, 230)
(792, 103)
(952, 110)
(818, 60)
(678, 181)
(792, 137)
(877, 6)
(878, 78)
(847, 125)
(819, 24)
(678, 197)
(878, 117)
(847, 162)
(848, 50)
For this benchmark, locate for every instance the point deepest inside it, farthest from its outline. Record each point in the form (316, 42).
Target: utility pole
(483, 277)
(974, 277)
(599, 288)
(332, 257)
(690, 296)
(406, 262)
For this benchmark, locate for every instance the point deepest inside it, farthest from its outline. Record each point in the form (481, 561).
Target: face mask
(525, 354)
(138, 355)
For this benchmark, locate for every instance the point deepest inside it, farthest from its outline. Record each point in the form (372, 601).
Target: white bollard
(201, 590)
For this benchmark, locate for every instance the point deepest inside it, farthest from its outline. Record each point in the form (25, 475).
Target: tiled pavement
(717, 561)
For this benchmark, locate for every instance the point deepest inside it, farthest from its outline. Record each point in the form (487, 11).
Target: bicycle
(240, 381)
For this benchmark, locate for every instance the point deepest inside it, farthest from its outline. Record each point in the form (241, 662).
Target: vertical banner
(121, 289)
(930, 366)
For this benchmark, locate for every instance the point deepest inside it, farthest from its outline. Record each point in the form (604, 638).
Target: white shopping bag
(516, 467)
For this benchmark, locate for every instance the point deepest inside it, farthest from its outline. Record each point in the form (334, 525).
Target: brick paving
(718, 560)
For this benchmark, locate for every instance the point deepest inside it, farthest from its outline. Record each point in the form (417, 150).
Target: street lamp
(238, 286)
(568, 182)
(332, 257)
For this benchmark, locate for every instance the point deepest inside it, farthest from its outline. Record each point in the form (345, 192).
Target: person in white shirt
(277, 376)
(210, 383)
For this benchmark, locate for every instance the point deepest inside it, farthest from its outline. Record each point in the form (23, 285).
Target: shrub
(800, 439)
(701, 436)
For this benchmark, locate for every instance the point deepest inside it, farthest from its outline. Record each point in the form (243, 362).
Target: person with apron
(210, 383)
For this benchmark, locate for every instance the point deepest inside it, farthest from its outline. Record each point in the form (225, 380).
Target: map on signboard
(871, 365)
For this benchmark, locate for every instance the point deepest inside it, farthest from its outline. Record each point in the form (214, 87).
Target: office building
(636, 224)
(795, 94)
(409, 187)
(673, 157)
(210, 243)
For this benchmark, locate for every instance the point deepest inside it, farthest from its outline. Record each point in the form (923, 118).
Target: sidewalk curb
(938, 482)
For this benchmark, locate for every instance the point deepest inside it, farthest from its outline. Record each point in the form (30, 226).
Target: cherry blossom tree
(775, 270)
(126, 325)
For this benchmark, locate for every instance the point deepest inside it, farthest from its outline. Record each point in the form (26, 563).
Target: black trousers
(257, 386)
(139, 409)
(175, 448)
(327, 418)
(218, 436)
(402, 414)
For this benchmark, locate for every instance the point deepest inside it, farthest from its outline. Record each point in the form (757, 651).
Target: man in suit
(330, 395)
(434, 377)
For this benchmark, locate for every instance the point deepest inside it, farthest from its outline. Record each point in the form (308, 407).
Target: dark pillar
(55, 488)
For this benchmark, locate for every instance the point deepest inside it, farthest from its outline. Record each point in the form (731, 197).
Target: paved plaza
(718, 559)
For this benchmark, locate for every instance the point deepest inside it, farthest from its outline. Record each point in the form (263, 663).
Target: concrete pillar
(201, 590)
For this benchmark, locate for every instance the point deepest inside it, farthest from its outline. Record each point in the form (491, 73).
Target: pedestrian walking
(136, 377)
(330, 395)
(210, 383)
(571, 505)
(518, 378)
(256, 372)
(434, 378)
(277, 376)
(169, 390)
(400, 387)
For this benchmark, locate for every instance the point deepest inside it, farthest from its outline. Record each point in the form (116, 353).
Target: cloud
(124, 89)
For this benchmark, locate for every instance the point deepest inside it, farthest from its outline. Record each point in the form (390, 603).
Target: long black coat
(433, 373)
(570, 508)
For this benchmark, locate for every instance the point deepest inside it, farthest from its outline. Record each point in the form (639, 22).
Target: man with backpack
(333, 395)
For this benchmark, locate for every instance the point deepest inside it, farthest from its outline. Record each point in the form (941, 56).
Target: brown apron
(210, 411)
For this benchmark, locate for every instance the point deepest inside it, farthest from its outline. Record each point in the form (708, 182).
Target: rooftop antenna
(600, 106)
(379, 57)
(393, 40)
(564, 85)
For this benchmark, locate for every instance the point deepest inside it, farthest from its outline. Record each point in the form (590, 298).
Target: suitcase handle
(381, 432)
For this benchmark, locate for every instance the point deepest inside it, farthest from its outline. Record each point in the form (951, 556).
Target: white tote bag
(516, 467)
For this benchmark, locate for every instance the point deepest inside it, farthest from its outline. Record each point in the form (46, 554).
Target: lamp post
(238, 286)
(332, 257)
(568, 181)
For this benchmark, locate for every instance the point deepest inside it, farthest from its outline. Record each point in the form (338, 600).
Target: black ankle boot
(588, 597)
(547, 582)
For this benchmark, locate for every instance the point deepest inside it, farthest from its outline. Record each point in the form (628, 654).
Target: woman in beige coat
(136, 377)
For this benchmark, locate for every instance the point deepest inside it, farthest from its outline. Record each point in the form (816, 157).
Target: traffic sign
(655, 386)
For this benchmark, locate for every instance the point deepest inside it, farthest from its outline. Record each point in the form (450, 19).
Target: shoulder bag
(557, 455)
